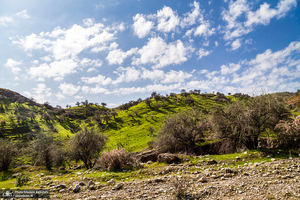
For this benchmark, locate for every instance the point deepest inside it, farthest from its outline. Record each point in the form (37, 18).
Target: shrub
(117, 159)
(87, 145)
(180, 188)
(22, 180)
(289, 132)
(7, 152)
(181, 132)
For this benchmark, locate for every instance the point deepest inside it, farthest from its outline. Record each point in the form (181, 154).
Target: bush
(87, 145)
(181, 132)
(117, 159)
(7, 152)
(289, 133)
(22, 180)
(180, 188)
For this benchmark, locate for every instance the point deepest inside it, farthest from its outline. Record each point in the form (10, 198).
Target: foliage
(7, 152)
(244, 123)
(289, 132)
(180, 188)
(44, 150)
(86, 146)
(22, 180)
(117, 159)
(181, 132)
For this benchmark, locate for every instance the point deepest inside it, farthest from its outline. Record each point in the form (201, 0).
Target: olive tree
(86, 146)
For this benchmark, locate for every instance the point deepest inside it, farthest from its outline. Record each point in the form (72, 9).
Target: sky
(114, 51)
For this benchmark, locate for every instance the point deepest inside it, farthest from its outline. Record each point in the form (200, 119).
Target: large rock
(146, 156)
(168, 158)
(76, 189)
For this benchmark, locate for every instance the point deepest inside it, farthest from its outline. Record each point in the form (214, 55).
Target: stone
(118, 186)
(15, 175)
(92, 187)
(203, 179)
(76, 189)
(168, 158)
(111, 182)
(90, 183)
(81, 183)
(212, 162)
(228, 170)
(158, 180)
(91, 198)
(61, 186)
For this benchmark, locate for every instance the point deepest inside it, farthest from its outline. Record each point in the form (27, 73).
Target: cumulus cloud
(161, 54)
(236, 44)
(192, 17)
(69, 89)
(176, 76)
(128, 74)
(274, 71)
(167, 19)
(141, 26)
(40, 93)
(202, 52)
(240, 9)
(117, 56)
(100, 80)
(13, 65)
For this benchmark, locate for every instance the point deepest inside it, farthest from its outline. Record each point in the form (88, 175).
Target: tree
(181, 132)
(104, 104)
(243, 124)
(148, 101)
(44, 149)
(87, 145)
(289, 132)
(7, 152)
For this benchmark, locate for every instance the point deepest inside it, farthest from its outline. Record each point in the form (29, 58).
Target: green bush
(22, 180)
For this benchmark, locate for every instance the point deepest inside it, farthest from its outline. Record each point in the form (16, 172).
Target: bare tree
(87, 145)
(7, 152)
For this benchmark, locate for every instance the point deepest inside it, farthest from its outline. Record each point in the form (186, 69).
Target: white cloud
(153, 75)
(41, 93)
(117, 56)
(161, 54)
(101, 80)
(176, 76)
(141, 26)
(216, 43)
(204, 30)
(231, 69)
(192, 17)
(236, 44)
(93, 90)
(56, 69)
(5, 20)
(13, 65)
(23, 14)
(167, 19)
(240, 9)
(69, 89)
(202, 52)
(128, 74)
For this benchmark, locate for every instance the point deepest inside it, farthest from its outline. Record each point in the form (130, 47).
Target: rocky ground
(278, 179)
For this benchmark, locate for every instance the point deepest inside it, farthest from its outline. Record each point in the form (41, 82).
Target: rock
(168, 158)
(203, 179)
(15, 175)
(111, 182)
(146, 156)
(81, 183)
(90, 183)
(118, 186)
(214, 176)
(212, 162)
(61, 186)
(76, 189)
(92, 187)
(91, 198)
(158, 180)
(227, 175)
(62, 191)
(61, 168)
(42, 175)
(47, 178)
(228, 170)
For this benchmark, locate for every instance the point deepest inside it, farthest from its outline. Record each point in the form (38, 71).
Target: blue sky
(115, 51)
